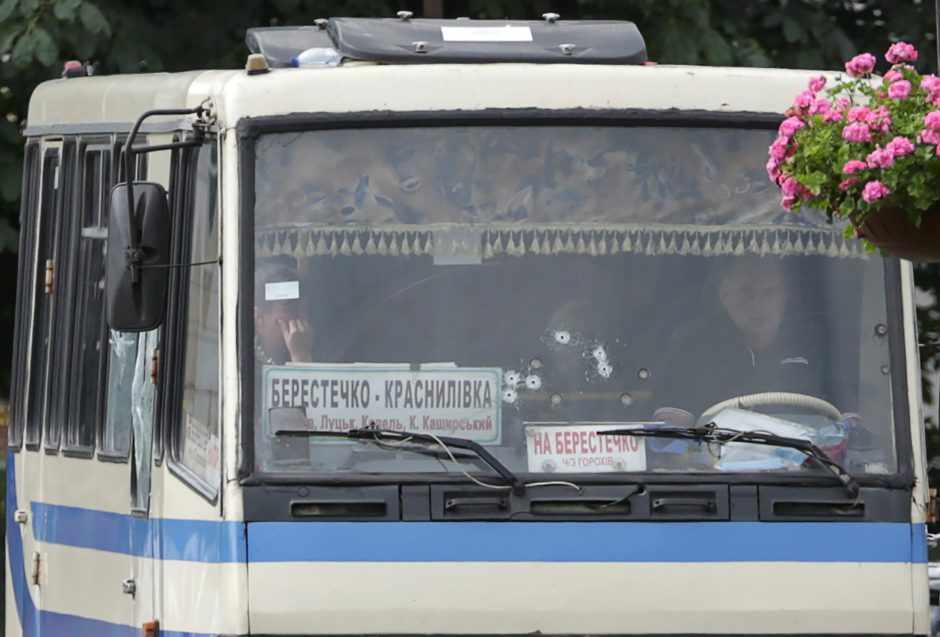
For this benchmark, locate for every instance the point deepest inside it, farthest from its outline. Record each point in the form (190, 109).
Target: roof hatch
(408, 41)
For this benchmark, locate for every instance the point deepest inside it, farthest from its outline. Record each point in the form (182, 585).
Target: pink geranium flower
(790, 187)
(787, 203)
(819, 106)
(880, 118)
(853, 166)
(901, 52)
(880, 158)
(817, 83)
(900, 146)
(874, 190)
(859, 114)
(899, 90)
(860, 65)
(929, 136)
(857, 132)
(773, 170)
(789, 126)
(832, 115)
(804, 99)
(893, 76)
(932, 120)
(845, 184)
(780, 148)
(844, 102)
(930, 83)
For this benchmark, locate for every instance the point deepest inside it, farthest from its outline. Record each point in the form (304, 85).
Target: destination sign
(441, 400)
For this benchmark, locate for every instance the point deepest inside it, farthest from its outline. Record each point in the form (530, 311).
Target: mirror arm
(133, 252)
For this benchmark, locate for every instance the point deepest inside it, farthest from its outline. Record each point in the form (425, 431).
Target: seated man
(745, 347)
(283, 330)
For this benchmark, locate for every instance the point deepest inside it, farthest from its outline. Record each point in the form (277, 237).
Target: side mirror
(136, 282)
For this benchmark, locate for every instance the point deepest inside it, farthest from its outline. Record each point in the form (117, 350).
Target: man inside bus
(745, 346)
(283, 330)
(283, 335)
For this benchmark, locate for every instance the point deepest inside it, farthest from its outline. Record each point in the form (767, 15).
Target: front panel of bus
(449, 327)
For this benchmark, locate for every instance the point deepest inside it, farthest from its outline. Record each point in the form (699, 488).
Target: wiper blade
(711, 433)
(379, 436)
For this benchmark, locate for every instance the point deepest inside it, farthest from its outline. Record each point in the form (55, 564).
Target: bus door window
(30, 193)
(89, 362)
(197, 443)
(41, 304)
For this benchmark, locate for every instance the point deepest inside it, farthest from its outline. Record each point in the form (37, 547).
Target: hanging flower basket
(868, 150)
(890, 229)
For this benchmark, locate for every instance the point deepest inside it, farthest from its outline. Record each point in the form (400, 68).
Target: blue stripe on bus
(34, 621)
(212, 541)
(586, 542)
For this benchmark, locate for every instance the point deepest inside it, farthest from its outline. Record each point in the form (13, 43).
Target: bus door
(40, 400)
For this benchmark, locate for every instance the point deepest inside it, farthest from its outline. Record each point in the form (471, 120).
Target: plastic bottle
(317, 56)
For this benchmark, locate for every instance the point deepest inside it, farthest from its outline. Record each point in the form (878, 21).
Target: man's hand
(298, 337)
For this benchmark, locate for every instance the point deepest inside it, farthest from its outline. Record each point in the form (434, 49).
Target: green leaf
(28, 8)
(22, 54)
(10, 181)
(792, 30)
(7, 9)
(65, 9)
(7, 41)
(46, 50)
(93, 19)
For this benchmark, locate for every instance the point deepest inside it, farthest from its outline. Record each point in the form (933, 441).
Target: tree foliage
(127, 36)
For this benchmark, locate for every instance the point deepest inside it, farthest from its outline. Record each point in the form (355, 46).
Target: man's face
(754, 296)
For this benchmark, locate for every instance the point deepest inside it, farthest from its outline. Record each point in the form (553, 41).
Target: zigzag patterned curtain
(495, 240)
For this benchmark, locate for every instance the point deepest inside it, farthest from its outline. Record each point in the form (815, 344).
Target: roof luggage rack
(407, 41)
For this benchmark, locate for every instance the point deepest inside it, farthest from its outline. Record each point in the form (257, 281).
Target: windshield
(526, 287)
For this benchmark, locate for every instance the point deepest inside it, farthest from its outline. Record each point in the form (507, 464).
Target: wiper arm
(712, 433)
(379, 436)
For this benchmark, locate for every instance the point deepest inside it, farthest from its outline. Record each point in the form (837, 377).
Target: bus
(419, 327)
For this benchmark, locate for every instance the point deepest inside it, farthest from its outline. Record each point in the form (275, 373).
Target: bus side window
(62, 302)
(38, 358)
(24, 286)
(128, 390)
(88, 363)
(197, 441)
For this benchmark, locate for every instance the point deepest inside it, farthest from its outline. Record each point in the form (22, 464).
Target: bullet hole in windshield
(562, 337)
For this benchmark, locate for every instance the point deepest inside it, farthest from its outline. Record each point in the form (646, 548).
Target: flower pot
(891, 230)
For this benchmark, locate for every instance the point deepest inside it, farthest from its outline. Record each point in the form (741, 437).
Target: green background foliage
(127, 36)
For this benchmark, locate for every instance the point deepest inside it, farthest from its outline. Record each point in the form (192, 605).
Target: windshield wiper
(712, 433)
(379, 436)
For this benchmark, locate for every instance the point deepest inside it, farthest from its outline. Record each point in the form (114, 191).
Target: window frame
(61, 333)
(116, 176)
(173, 347)
(29, 192)
(88, 147)
(43, 248)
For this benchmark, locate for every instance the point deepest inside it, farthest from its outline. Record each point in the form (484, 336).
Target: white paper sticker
(507, 33)
(282, 291)
(446, 401)
(563, 448)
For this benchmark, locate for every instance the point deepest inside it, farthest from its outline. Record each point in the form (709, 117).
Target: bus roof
(113, 103)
